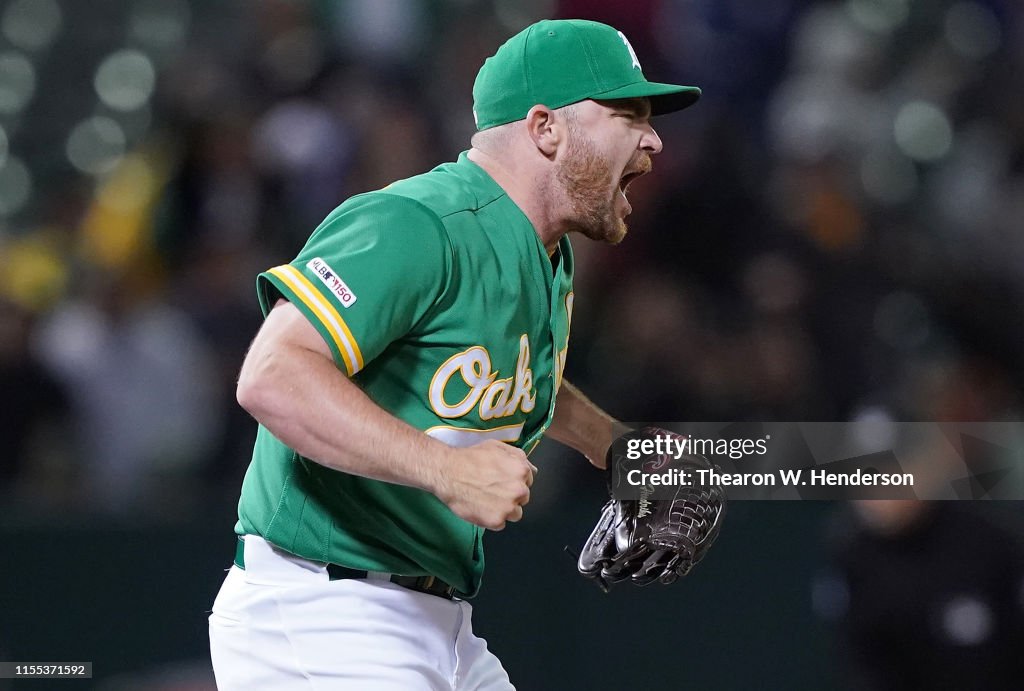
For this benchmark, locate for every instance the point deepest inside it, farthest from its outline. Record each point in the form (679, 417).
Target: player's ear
(546, 131)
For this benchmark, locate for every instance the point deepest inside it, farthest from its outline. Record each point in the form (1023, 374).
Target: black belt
(430, 585)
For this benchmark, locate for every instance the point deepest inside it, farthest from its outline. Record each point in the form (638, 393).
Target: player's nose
(650, 141)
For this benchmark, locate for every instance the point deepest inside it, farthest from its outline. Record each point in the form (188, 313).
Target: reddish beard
(586, 177)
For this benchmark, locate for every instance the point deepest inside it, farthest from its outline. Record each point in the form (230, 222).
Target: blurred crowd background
(834, 231)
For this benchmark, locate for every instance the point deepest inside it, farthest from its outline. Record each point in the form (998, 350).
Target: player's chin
(614, 228)
(616, 232)
(612, 232)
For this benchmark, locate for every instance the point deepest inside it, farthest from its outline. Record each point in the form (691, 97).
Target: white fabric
(282, 624)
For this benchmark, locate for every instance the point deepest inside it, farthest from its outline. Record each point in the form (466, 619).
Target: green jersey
(438, 299)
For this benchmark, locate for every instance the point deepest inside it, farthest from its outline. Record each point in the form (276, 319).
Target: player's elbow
(246, 391)
(258, 391)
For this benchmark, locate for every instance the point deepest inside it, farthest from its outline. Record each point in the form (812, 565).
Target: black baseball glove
(653, 539)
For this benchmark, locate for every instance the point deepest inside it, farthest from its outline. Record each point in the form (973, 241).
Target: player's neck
(525, 187)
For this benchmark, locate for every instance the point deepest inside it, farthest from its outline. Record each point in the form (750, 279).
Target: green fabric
(452, 318)
(559, 62)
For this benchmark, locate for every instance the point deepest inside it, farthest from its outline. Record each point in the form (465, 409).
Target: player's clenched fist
(486, 484)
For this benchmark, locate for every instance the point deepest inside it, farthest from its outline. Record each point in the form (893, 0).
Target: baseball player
(411, 358)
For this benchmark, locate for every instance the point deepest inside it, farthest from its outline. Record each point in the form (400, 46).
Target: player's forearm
(580, 424)
(304, 401)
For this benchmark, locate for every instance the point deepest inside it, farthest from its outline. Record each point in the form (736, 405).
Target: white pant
(282, 625)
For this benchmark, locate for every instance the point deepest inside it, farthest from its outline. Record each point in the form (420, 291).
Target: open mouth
(628, 178)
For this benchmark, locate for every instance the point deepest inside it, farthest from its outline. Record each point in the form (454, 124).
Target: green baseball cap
(559, 62)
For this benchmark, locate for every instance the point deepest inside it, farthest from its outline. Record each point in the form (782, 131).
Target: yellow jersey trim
(325, 312)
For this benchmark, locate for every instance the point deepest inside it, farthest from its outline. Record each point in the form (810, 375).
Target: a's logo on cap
(632, 53)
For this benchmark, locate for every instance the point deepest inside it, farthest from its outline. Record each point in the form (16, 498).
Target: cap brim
(665, 98)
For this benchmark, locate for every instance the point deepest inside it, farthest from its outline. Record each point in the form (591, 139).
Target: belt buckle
(434, 586)
(429, 585)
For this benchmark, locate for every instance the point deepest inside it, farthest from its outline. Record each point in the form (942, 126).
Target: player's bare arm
(582, 425)
(290, 384)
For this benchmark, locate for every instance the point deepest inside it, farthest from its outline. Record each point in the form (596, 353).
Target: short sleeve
(366, 276)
